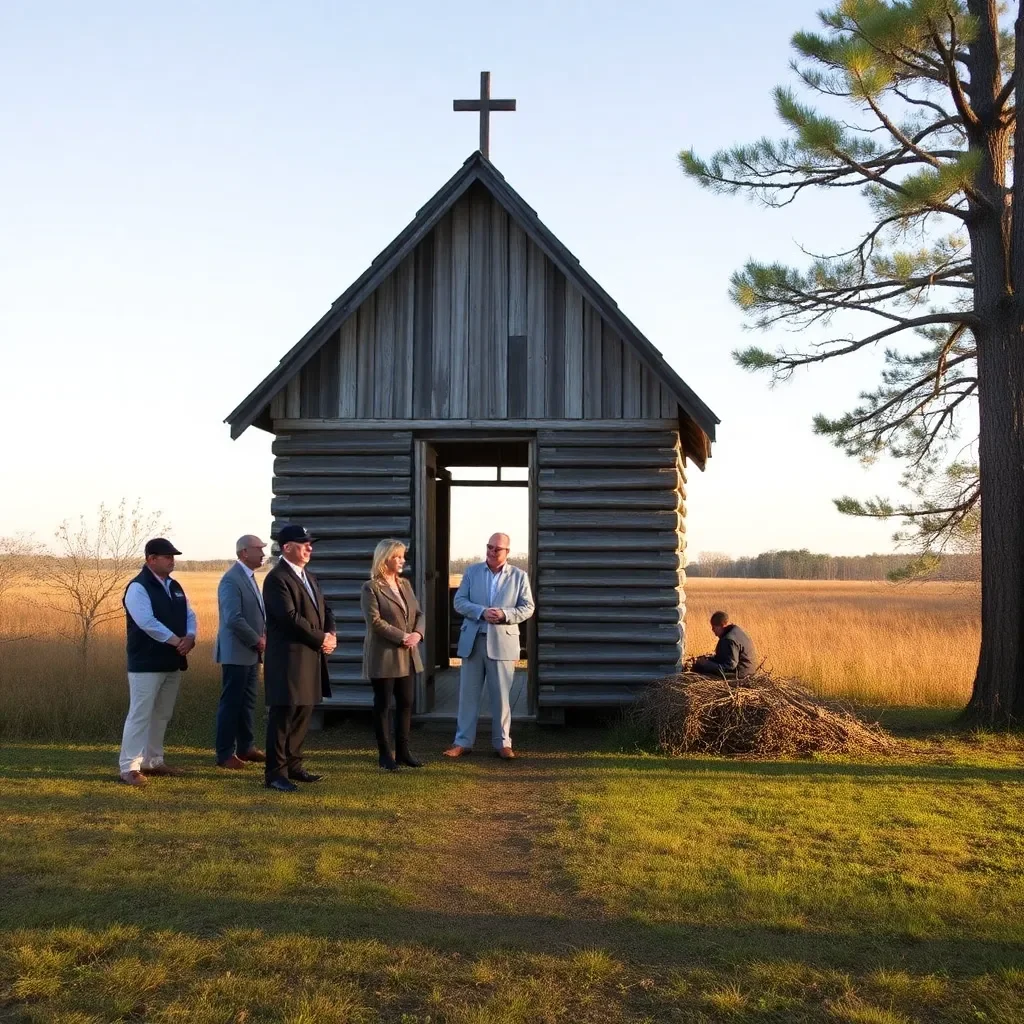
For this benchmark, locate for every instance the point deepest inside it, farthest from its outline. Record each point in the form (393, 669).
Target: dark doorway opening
(465, 486)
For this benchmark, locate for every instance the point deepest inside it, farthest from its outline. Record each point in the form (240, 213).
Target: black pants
(286, 732)
(382, 690)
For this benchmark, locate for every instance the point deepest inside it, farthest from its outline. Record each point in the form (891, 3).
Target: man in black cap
(161, 631)
(300, 636)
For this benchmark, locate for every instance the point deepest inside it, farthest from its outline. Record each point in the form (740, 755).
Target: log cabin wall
(350, 489)
(477, 323)
(610, 557)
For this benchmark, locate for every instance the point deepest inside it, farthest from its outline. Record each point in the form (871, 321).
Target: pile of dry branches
(757, 717)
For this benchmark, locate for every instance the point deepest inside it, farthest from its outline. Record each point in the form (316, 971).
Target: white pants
(152, 703)
(477, 670)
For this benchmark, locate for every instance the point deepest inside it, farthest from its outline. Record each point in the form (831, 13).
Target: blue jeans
(237, 709)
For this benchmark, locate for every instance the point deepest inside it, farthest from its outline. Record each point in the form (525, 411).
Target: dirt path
(500, 857)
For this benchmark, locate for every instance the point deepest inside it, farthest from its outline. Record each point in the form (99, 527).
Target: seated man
(734, 656)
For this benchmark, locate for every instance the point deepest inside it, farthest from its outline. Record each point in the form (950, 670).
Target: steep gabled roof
(476, 169)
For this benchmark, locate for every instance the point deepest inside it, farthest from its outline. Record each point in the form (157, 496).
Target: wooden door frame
(430, 439)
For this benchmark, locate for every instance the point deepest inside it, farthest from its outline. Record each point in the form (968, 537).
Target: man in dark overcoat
(300, 636)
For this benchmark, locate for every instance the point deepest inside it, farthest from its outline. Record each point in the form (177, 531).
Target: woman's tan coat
(387, 622)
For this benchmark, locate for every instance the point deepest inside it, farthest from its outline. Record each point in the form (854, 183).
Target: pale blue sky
(185, 189)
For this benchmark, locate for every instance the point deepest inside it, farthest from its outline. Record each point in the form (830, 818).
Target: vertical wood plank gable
(518, 268)
(611, 383)
(536, 332)
(330, 385)
(348, 369)
(497, 368)
(439, 322)
(459, 366)
(573, 382)
(277, 405)
(650, 393)
(632, 393)
(293, 398)
(309, 386)
(365, 333)
(425, 346)
(554, 342)
(384, 351)
(405, 353)
(669, 405)
(592, 363)
(517, 377)
(479, 300)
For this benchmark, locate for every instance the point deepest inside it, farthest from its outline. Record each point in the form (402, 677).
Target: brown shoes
(505, 752)
(233, 762)
(163, 769)
(254, 755)
(133, 779)
(457, 751)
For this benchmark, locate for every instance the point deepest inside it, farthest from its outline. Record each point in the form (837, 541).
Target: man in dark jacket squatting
(734, 657)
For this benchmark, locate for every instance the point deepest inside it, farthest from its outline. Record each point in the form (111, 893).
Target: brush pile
(755, 717)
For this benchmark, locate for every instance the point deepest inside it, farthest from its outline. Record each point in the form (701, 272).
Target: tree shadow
(653, 945)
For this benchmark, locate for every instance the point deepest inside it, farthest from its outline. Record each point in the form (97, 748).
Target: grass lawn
(587, 881)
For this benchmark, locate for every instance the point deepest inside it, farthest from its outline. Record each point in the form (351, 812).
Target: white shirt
(140, 608)
(301, 573)
(495, 578)
(255, 585)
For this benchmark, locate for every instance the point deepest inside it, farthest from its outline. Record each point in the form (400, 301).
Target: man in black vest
(300, 636)
(734, 657)
(161, 631)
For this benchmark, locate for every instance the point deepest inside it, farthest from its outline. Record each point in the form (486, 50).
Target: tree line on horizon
(810, 565)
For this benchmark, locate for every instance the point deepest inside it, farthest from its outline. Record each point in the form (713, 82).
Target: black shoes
(281, 785)
(388, 763)
(303, 776)
(408, 760)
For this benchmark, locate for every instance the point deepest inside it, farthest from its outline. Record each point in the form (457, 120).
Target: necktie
(256, 587)
(309, 589)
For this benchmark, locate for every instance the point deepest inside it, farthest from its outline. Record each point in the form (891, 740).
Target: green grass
(588, 881)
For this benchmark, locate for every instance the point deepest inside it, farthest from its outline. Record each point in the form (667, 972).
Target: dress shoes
(303, 776)
(133, 779)
(409, 761)
(281, 785)
(389, 764)
(254, 755)
(233, 762)
(457, 751)
(505, 753)
(165, 769)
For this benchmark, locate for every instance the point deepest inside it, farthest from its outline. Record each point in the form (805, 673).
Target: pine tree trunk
(998, 697)
(997, 252)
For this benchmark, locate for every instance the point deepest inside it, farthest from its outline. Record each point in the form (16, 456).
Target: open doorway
(470, 489)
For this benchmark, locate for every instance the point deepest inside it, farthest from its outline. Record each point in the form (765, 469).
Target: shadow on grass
(368, 908)
(306, 914)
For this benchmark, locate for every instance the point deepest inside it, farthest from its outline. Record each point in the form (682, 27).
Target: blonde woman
(394, 631)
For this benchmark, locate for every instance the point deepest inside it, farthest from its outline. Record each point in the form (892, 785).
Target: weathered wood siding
(610, 557)
(350, 490)
(476, 323)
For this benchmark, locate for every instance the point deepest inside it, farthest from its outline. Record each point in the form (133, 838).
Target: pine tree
(936, 278)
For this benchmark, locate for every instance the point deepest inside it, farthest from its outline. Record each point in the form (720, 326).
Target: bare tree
(93, 564)
(19, 564)
(713, 563)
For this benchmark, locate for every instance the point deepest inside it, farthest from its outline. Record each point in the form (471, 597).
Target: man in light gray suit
(241, 641)
(493, 598)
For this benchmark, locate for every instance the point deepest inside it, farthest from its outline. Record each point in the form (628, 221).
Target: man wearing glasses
(493, 598)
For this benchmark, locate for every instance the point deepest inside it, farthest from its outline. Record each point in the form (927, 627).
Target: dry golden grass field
(873, 643)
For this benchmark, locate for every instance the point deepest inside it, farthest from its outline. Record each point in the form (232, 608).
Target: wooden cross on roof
(484, 105)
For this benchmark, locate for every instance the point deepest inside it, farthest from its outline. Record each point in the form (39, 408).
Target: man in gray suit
(241, 641)
(493, 598)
